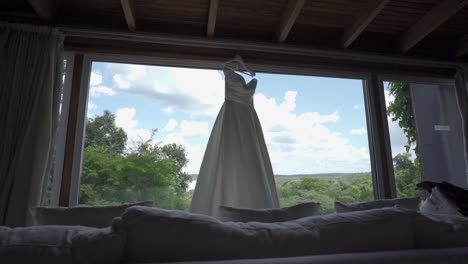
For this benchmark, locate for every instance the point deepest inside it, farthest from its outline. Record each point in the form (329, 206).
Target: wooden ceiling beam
(429, 22)
(210, 30)
(129, 14)
(288, 18)
(367, 14)
(45, 9)
(462, 47)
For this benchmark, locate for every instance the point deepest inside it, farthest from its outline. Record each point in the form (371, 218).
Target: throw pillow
(456, 194)
(92, 216)
(439, 203)
(61, 244)
(407, 203)
(234, 214)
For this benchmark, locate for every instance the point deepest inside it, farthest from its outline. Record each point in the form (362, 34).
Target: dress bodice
(236, 89)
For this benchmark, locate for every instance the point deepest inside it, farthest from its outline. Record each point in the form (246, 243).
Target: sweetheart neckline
(246, 84)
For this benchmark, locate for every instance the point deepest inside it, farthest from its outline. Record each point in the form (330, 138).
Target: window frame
(62, 130)
(373, 87)
(411, 80)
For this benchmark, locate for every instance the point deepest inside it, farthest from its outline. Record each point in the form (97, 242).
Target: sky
(311, 124)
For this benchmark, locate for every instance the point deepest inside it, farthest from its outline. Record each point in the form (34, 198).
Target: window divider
(62, 131)
(69, 187)
(379, 138)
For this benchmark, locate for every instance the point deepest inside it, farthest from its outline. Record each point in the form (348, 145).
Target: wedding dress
(236, 169)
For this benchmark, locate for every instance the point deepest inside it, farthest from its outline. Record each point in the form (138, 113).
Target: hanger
(238, 60)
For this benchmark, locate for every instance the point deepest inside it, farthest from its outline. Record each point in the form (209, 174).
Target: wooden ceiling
(412, 28)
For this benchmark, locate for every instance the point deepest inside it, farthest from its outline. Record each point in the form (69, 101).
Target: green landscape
(152, 172)
(114, 174)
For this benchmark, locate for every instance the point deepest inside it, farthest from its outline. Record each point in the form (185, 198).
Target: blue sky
(311, 124)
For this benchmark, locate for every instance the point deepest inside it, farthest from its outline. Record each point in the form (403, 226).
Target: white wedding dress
(236, 169)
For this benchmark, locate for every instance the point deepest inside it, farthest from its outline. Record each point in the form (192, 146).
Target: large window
(426, 135)
(147, 128)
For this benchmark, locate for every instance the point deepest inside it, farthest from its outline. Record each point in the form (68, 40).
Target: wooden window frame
(378, 132)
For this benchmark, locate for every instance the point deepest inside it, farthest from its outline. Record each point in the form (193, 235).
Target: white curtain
(31, 68)
(461, 83)
(440, 133)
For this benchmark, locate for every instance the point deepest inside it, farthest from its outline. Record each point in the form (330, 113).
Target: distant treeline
(315, 175)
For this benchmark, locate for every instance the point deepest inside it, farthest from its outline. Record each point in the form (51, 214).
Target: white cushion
(407, 203)
(233, 214)
(93, 216)
(438, 203)
(60, 244)
(157, 235)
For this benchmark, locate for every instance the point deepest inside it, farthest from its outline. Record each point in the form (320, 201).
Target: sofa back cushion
(92, 216)
(407, 203)
(60, 244)
(157, 235)
(272, 215)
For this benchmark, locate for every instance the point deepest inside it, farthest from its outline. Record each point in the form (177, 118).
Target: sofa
(152, 235)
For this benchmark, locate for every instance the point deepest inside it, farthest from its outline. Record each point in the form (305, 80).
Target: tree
(407, 172)
(347, 188)
(401, 110)
(406, 176)
(113, 174)
(178, 154)
(101, 131)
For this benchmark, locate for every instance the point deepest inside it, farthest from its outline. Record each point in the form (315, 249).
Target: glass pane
(148, 127)
(316, 134)
(426, 135)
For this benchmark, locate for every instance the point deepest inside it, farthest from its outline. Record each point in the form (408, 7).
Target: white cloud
(95, 79)
(357, 106)
(125, 74)
(388, 97)
(125, 118)
(97, 91)
(298, 142)
(121, 82)
(168, 110)
(358, 131)
(398, 138)
(195, 91)
(289, 103)
(303, 143)
(91, 105)
(193, 129)
(161, 87)
(171, 124)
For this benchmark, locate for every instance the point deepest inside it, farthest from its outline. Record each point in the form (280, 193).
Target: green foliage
(358, 187)
(407, 172)
(113, 175)
(325, 190)
(102, 132)
(178, 154)
(146, 172)
(406, 176)
(347, 188)
(401, 110)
